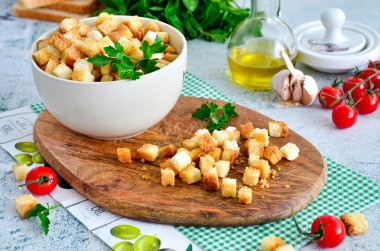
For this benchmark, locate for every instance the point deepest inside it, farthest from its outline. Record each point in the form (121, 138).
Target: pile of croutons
(64, 54)
(207, 157)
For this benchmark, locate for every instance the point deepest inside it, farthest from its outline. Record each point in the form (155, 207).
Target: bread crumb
(287, 186)
(355, 223)
(145, 177)
(144, 168)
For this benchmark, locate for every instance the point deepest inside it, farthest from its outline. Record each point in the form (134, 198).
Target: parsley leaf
(156, 47)
(219, 116)
(42, 213)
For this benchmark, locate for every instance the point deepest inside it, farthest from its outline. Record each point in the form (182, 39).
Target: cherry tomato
(367, 103)
(328, 95)
(335, 231)
(374, 64)
(351, 82)
(367, 72)
(35, 175)
(344, 116)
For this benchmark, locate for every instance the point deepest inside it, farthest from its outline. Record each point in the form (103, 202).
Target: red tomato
(367, 103)
(35, 174)
(334, 231)
(351, 82)
(328, 95)
(344, 116)
(367, 72)
(374, 64)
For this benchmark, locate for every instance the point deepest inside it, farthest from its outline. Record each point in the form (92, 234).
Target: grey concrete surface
(356, 148)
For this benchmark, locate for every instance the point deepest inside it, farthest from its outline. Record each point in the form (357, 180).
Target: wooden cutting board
(91, 167)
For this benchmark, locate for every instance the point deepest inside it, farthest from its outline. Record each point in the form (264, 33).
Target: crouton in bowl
(114, 109)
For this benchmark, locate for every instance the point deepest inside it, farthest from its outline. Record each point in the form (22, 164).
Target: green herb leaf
(100, 60)
(133, 75)
(156, 47)
(191, 5)
(42, 213)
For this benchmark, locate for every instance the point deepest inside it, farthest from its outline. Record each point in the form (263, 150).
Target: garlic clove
(309, 91)
(297, 89)
(280, 84)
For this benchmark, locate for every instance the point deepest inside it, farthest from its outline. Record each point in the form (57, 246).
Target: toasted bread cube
(278, 129)
(196, 154)
(246, 130)
(234, 133)
(270, 243)
(200, 132)
(169, 57)
(272, 154)
(51, 65)
(121, 31)
(284, 247)
(54, 51)
(83, 29)
(97, 75)
(216, 154)
(124, 155)
(263, 166)
(228, 144)
(164, 37)
(128, 45)
(150, 37)
(251, 176)
(222, 168)
(167, 177)
(170, 49)
(184, 150)
(59, 42)
(108, 25)
(107, 78)
(245, 195)
(205, 162)
(210, 179)
(151, 26)
(162, 63)
(229, 155)
(83, 64)
(168, 165)
(103, 17)
(147, 152)
(106, 69)
(190, 144)
(220, 136)
(355, 223)
(134, 24)
(180, 160)
(95, 35)
(254, 146)
(25, 203)
(290, 151)
(20, 172)
(229, 187)
(190, 174)
(62, 71)
(136, 43)
(167, 151)
(136, 53)
(71, 55)
(72, 35)
(82, 76)
(42, 56)
(261, 135)
(67, 24)
(42, 43)
(206, 143)
(252, 157)
(105, 42)
(91, 48)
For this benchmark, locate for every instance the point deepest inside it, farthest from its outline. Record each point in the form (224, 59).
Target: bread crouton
(167, 151)
(355, 223)
(108, 25)
(25, 203)
(147, 152)
(150, 37)
(168, 165)
(229, 155)
(272, 154)
(151, 26)
(95, 35)
(234, 133)
(135, 25)
(180, 160)
(42, 43)
(284, 247)
(270, 243)
(107, 78)
(220, 136)
(42, 56)
(162, 63)
(245, 195)
(105, 42)
(72, 35)
(222, 168)
(71, 55)
(206, 143)
(190, 144)
(263, 166)
(290, 151)
(167, 177)
(97, 75)
(254, 146)
(216, 154)
(184, 150)
(91, 48)
(54, 51)
(121, 31)
(229, 187)
(164, 37)
(59, 42)
(124, 155)
(136, 53)
(82, 76)
(83, 64)
(67, 24)
(170, 49)
(251, 176)
(205, 162)
(106, 69)
(278, 129)
(228, 144)
(62, 71)
(261, 135)
(170, 57)
(190, 174)
(51, 65)
(102, 17)
(20, 172)
(127, 45)
(83, 29)
(252, 157)
(196, 154)
(246, 130)
(210, 179)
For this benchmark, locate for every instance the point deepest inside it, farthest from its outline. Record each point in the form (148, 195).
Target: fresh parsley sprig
(42, 213)
(219, 116)
(129, 67)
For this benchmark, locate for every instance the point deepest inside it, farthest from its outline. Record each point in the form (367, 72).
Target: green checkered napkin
(345, 191)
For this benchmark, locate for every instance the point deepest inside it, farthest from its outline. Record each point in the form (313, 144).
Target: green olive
(126, 232)
(123, 246)
(27, 147)
(37, 158)
(24, 159)
(147, 243)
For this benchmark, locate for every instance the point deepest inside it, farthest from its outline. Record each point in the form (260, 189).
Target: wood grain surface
(91, 167)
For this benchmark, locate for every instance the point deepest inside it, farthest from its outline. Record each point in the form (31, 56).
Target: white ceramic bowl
(118, 109)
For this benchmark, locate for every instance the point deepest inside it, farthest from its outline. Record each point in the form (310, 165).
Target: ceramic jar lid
(334, 45)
